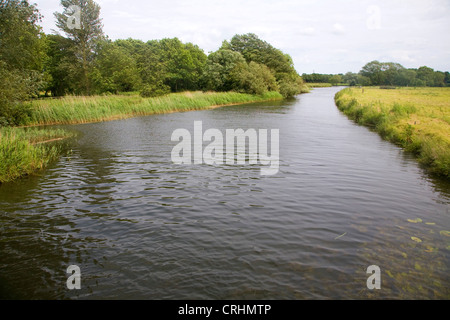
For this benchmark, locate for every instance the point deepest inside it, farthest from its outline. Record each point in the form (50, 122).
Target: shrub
(155, 90)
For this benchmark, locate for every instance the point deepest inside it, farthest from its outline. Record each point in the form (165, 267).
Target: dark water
(141, 227)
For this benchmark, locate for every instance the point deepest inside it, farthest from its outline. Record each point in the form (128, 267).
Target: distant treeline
(83, 61)
(377, 73)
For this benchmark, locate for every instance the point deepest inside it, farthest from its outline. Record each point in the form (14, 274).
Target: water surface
(141, 227)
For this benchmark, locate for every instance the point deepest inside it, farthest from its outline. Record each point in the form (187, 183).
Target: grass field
(418, 119)
(25, 150)
(75, 109)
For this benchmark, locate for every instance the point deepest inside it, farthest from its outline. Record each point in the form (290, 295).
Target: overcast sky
(323, 36)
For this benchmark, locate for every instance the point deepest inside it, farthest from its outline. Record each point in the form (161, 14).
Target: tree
(374, 71)
(253, 78)
(336, 79)
(85, 36)
(406, 77)
(218, 69)
(256, 50)
(426, 74)
(21, 58)
(439, 79)
(447, 78)
(59, 67)
(350, 78)
(115, 70)
(184, 64)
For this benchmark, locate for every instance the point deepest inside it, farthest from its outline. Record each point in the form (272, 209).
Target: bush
(155, 90)
(253, 78)
(14, 114)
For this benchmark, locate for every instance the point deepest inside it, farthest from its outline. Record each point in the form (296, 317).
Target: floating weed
(430, 249)
(430, 223)
(417, 220)
(418, 240)
(445, 233)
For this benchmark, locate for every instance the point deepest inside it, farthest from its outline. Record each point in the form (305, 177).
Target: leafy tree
(115, 70)
(290, 85)
(406, 77)
(350, 78)
(85, 37)
(253, 78)
(218, 70)
(184, 64)
(59, 65)
(447, 78)
(439, 79)
(426, 74)
(21, 59)
(254, 49)
(374, 71)
(336, 79)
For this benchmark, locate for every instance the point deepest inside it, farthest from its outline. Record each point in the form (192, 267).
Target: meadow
(417, 119)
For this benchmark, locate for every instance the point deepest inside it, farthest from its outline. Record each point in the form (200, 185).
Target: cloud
(310, 31)
(338, 28)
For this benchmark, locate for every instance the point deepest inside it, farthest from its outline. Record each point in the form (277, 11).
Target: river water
(141, 227)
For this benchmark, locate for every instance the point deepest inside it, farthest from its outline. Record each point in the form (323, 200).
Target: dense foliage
(385, 74)
(21, 59)
(83, 61)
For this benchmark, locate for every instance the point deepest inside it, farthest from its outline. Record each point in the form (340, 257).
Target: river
(141, 227)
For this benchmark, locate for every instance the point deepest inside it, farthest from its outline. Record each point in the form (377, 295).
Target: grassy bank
(25, 150)
(418, 119)
(72, 109)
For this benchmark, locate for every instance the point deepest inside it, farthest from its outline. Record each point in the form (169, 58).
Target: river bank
(417, 119)
(25, 150)
(75, 110)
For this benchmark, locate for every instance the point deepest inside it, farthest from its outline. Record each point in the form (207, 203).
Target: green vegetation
(26, 150)
(319, 85)
(99, 79)
(418, 119)
(83, 61)
(75, 109)
(388, 74)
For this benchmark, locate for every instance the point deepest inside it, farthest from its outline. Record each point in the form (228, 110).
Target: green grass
(76, 109)
(418, 119)
(23, 151)
(319, 85)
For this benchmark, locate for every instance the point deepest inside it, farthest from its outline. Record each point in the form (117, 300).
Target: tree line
(81, 60)
(377, 73)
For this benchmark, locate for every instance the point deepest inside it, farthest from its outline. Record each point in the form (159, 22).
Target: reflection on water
(140, 227)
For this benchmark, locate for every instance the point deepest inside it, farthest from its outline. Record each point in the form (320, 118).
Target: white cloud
(411, 31)
(338, 28)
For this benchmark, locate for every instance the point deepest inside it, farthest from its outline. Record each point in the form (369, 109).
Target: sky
(322, 36)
